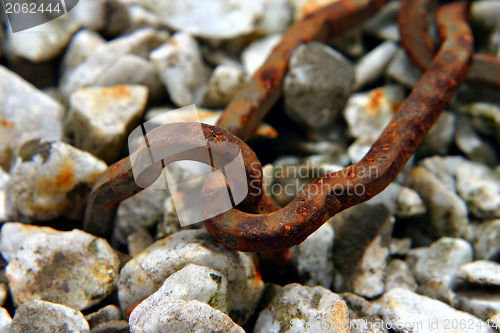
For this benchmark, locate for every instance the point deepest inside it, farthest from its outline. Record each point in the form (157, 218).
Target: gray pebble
(120, 61)
(5, 320)
(104, 116)
(113, 326)
(472, 145)
(313, 258)
(368, 113)
(138, 241)
(399, 275)
(71, 268)
(222, 86)
(481, 273)
(52, 179)
(440, 137)
(256, 53)
(180, 66)
(360, 265)
(103, 315)
(448, 215)
(26, 114)
(297, 308)
(383, 24)
(402, 70)
(406, 311)
(42, 42)
(47, 317)
(145, 273)
(317, 84)
(81, 46)
(487, 246)
(372, 65)
(109, 17)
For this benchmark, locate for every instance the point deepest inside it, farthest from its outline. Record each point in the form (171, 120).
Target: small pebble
(296, 308)
(448, 215)
(317, 84)
(407, 311)
(103, 315)
(104, 116)
(145, 273)
(20, 101)
(399, 275)
(5, 320)
(440, 137)
(487, 246)
(383, 24)
(123, 60)
(138, 241)
(47, 317)
(373, 65)
(43, 42)
(313, 258)
(222, 86)
(52, 179)
(402, 70)
(368, 113)
(472, 145)
(82, 45)
(360, 265)
(109, 17)
(255, 54)
(180, 66)
(71, 268)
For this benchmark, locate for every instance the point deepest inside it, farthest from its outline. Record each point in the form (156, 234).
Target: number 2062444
(34, 8)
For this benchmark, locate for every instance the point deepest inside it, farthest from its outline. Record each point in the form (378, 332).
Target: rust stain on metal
(268, 228)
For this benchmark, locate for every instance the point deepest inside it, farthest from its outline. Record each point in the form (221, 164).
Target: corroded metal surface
(246, 110)
(269, 229)
(413, 22)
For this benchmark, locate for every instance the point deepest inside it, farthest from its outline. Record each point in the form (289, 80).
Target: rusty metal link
(272, 229)
(413, 22)
(246, 110)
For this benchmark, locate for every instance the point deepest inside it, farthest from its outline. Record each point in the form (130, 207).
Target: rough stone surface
(144, 274)
(104, 116)
(487, 246)
(436, 269)
(297, 308)
(43, 42)
(105, 314)
(479, 186)
(193, 282)
(373, 65)
(317, 84)
(180, 66)
(120, 61)
(368, 113)
(20, 101)
(70, 268)
(82, 45)
(211, 20)
(223, 85)
(472, 145)
(313, 258)
(406, 312)
(183, 316)
(139, 212)
(255, 54)
(448, 215)
(402, 70)
(47, 317)
(399, 275)
(5, 320)
(360, 265)
(440, 137)
(52, 179)
(383, 24)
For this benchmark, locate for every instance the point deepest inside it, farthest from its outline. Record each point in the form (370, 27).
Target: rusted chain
(246, 110)
(413, 22)
(326, 196)
(306, 213)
